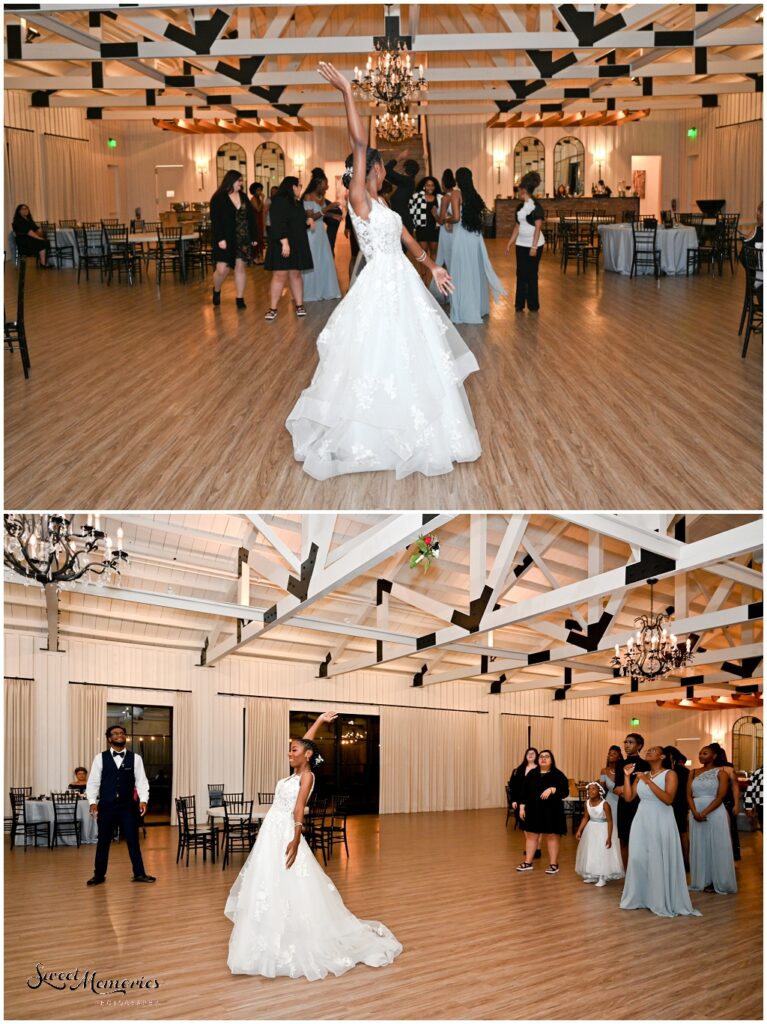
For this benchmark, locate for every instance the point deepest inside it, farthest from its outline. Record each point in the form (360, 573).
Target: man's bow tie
(118, 753)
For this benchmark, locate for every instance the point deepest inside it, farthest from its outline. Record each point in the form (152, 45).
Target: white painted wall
(729, 148)
(218, 740)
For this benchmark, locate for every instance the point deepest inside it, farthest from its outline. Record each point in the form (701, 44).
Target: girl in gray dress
(321, 282)
(470, 267)
(607, 778)
(712, 867)
(655, 877)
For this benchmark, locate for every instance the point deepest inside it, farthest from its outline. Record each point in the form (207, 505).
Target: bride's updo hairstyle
(311, 746)
(372, 157)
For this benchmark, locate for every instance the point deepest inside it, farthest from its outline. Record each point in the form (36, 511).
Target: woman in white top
(528, 236)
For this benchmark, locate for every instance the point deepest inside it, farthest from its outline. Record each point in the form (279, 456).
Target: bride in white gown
(289, 918)
(388, 392)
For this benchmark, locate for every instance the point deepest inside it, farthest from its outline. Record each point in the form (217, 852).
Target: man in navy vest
(114, 776)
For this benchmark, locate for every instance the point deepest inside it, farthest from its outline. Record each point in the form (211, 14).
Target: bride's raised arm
(358, 195)
(326, 716)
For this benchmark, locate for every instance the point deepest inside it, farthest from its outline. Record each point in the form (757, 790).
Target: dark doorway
(350, 751)
(150, 733)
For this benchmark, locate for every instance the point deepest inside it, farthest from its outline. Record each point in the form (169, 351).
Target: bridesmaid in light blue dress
(711, 862)
(470, 267)
(655, 876)
(321, 282)
(607, 778)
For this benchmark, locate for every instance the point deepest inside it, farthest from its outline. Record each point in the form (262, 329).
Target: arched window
(747, 744)
(231, 157)
(270, 165)
(529, 155)
(569, 165)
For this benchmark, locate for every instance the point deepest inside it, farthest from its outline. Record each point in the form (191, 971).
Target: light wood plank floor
(480, 941)
(619, 394)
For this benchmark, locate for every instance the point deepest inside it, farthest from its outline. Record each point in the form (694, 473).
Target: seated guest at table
(30, 240)
(602, 189)
(233, 226)
(562, 192)
(529, 239)
(81, 778)
(115, 774)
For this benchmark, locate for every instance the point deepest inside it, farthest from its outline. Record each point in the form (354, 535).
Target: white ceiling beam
(359, 45)
(399, 531)
(723, 546)
(477, 554)
(271, 535)
(619, 529)
(737, 573)
(723, 17)
(160, 600)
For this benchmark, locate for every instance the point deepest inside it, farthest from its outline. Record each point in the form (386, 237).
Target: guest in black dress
(234, 231)
(543, 811)
(679, 803)
(81, 780)
(424, 212)
(288, 253)
(628, 808)
(30, 240)
(517, 781)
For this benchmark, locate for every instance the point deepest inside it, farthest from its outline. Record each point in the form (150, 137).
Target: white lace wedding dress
(292, 921)
(388, 391)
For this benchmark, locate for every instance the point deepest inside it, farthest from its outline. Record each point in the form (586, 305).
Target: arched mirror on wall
(569, 165)
(747, 744)
(529, 155)
(270, 165)
(231, 157)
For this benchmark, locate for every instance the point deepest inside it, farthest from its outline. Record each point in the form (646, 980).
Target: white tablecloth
(672, 243)
(66, 236)
(42, 810)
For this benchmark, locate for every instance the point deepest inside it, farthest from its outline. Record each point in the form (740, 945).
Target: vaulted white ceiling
(246, 61)
(531, 601)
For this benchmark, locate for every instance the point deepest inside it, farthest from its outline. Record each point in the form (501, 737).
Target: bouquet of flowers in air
(426, 550)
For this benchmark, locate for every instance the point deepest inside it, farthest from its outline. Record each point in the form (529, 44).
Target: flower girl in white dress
(388, 391)
(598, 859)
(289, 918)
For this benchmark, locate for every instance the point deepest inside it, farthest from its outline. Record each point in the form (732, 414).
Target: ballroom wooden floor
(619, 394)
(480, 941)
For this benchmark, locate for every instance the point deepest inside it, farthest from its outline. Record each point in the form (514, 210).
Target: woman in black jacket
(30, 240)
(234, 229)
(543, 811)
(288, 253)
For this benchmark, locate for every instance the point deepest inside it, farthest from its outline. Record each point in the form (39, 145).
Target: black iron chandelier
(45, 548)
(390, 79)
(653, 652)
(396, 125)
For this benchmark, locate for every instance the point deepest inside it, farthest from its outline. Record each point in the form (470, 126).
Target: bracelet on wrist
(422, 257)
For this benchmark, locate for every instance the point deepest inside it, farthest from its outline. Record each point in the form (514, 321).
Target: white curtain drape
(267, 734)
(22, 174)
(514, 741)
(19, 726)
(88, 719)
(585, 750)
(541, 730)
(184, 761)
(66, 163)
(430, 760)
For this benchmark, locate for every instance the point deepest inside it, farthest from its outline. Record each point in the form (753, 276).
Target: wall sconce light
(599, 156)
(202, 170)
(499, 159)
(300, 163)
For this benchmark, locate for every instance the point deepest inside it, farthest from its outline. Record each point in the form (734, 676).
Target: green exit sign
(635, 721)
(112, 143)
(692, 133)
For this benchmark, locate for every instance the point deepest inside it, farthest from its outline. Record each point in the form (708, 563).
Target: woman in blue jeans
(529, 240)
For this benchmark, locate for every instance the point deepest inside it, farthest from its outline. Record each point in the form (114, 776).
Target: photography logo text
(88, 981)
